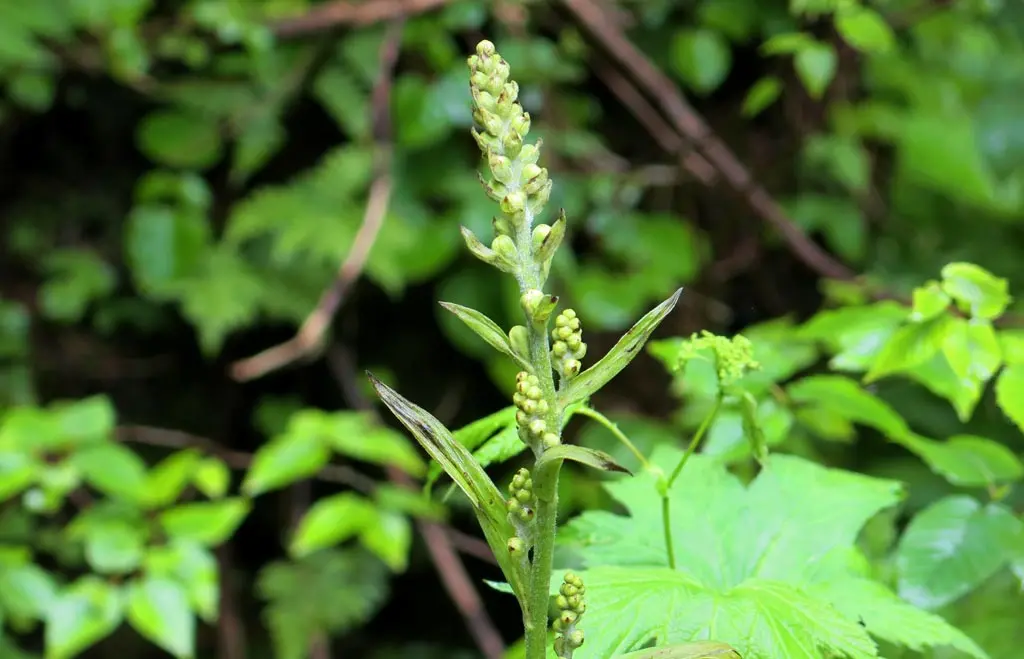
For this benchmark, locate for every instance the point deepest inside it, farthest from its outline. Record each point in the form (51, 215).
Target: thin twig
(332, 14)
(311, 333)
(689, 123)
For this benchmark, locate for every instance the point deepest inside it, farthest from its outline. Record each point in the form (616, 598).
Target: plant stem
(666, 511)
(613, 428)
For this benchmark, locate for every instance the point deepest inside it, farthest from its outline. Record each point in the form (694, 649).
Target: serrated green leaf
(81, 615)
(166, 481)
(864, 29)
(389, 537)
(622, 353)
(702, 57)
(158, 608)
(193, 567)
(585, 456)
(331, 520)
(846, 398)
(967, 460)
(1010, 393)
(694, 650)
(976, 290)
(487, 330)
(208, 523)
(910, 346)
(285, 459)
(113, 469)
(953, 546)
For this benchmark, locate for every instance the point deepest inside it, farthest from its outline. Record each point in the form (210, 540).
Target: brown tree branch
(692, 126)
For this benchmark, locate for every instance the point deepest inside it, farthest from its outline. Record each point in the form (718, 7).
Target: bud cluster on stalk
(571, 607)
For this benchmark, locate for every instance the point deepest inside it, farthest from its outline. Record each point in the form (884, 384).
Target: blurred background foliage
(182, 179)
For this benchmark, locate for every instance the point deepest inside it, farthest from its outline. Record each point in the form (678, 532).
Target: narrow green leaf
(763, 93)
(158, 608)
(208, 523)
(389, 537)
(976, 290)
(283, 460)
(113, 469)
(910, 346)
(622, 353)
(953, 546)
(212, 477)
(694, 650)
(966, 460)
(1010, 393)
(331, 520)
(464, 470)
(83, 614)
(752, 427)
(585, 456)
(487, 330)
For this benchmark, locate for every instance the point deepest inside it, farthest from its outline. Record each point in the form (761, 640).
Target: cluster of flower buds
(567, 348)
(571, 607)
(733, 357)
(521, 504)
(519, 185)
(531, 408)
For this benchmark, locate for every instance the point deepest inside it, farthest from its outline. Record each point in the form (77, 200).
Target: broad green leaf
(113, 469)
(179, 139)
(940, 151)
(855, 335)
(193, 567)
(694, 650)
(763, 93)
(487, 330)
(389, 537)
(18, 470)
(585, 456)
(1010, 393)
(410, 502)
(929, 301)
(591, 380)
(166, 481)
(331, 520)
(865, 29)
(972, 350)
(966, 460)
(1011, 342)
(747, 558)
(114, 544)
(158, 608)
(953, 546)
(464, 470)
(702, 57)
(976, 290)
(208, 523)
(84, 613)
(164, 243)
(845, 397)
(283, 460)
(87, 420)
(356, 436)
(26, 590)
(910, 346)
(212, 477)
(816, 65)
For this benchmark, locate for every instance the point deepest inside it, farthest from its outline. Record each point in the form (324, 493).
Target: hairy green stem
(666, 506)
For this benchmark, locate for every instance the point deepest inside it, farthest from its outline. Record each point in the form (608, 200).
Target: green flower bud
(505, 247)
(516, 546)
(513, 203)
(501, 167)
(550, 440)
(567, 348)
(538, 305)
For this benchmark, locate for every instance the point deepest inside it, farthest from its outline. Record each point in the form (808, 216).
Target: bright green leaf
(910, 346)
(193, 567)
(27, 591)
(208, 522)
(169, 478)
(212, 477)
(929, 301)
(1010, 393)
(113, 469)
(114, 546)
(87, 420)
(18, 470)
(702, 57)
(331, 520)
(1011, 342)
(486, 329)
(763, 93)
(158, 608)
(355, 436)
(976, 290)
(585, 456)
(966, 460)
(846, 398)
(865, 29)
(953, 546)
(389, 537)
(694, 650)
(83, 614)
(816, 66)
(283, 460)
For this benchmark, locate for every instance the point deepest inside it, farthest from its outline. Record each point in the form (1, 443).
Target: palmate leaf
(764, 568)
